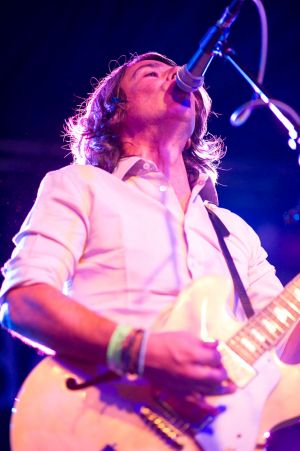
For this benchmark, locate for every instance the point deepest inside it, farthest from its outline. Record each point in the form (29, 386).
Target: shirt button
(162, 188)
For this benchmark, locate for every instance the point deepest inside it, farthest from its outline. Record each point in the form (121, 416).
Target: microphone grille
(188, 82)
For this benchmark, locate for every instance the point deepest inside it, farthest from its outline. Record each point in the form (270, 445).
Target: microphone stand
(292, 127)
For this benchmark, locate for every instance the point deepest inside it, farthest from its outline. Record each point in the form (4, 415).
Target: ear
(118, 115)
(188, 144)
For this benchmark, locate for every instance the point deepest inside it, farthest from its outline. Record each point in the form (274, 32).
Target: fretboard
(265, 330)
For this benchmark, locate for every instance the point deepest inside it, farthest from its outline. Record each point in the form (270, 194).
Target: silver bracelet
(142, 353)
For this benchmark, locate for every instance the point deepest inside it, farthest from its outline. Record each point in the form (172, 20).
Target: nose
(172, 72)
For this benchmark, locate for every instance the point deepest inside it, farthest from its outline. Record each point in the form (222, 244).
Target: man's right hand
(185, 365)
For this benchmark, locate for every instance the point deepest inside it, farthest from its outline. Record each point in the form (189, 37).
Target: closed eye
(151, 74)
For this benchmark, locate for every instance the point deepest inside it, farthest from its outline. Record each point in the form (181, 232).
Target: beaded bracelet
(114, 349)
(126, 350)
(130, 351)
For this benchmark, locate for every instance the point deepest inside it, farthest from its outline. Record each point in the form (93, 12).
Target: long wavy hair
(93, 135)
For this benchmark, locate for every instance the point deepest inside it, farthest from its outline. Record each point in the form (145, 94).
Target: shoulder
(240, 231)
(78, 172)
(75, 176)
(230, 219)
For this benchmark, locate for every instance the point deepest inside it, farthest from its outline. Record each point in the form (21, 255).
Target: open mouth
(179, 96)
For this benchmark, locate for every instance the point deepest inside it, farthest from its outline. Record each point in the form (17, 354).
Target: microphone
(190, 77)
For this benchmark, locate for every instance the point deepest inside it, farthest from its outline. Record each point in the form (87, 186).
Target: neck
(166, 153)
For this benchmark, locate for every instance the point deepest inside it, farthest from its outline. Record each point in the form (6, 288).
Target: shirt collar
(206, 188)
(134, 166)
(137, 166)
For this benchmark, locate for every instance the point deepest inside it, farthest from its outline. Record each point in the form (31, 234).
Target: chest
(145, 230)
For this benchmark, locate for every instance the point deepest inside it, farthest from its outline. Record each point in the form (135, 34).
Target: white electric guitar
(63, 408)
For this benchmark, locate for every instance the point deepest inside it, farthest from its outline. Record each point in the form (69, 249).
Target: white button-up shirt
(121, 244)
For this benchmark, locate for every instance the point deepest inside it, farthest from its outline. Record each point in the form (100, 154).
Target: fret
(263, 331)
(293, 290)
(279, 318)
(272, 327)
(287, 311)
(294, 307)
(239, 371)
(283, 314)
(272, 322)
(269, 324)
(291, 307)
(249, 344)
(287, 299)
(258, 335)
(270, 340)
(263, 342)
(296, 293)
(283, 311)
(293, 296)
(238, 348)
(256, 323)
(250, 354)
(259, 339)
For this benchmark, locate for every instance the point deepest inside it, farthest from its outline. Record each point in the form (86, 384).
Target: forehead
(133, 68)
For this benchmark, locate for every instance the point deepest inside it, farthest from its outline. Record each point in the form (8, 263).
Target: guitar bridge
(159, 425)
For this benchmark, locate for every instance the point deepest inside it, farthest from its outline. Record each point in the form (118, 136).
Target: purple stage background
(51, 51)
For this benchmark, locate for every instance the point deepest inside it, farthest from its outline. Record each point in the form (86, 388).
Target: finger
(207, 355)
(224, 388)
(206, 408)
(210, 344)
(209, 374)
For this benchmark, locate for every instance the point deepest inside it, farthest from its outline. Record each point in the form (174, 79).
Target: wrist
(114, 348)
(151, 353)
(126, 350)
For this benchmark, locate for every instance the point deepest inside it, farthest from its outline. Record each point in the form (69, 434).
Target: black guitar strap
(222, 232)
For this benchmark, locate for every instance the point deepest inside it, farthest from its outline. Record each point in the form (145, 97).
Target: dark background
(49, 53)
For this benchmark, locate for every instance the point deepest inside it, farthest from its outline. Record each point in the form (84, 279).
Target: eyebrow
(155, 65)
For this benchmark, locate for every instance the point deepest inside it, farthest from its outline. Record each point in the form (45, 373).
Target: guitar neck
(265, 330)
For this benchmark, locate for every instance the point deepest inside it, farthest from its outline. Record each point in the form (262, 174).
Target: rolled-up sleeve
(53, 236)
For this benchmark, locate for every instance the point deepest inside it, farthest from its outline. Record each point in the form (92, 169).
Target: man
(112, 241)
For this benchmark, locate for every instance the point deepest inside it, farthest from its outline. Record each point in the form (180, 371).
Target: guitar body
(48, 415)
(51, 417)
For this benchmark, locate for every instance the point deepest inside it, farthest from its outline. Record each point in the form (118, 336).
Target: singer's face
(154, 98)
